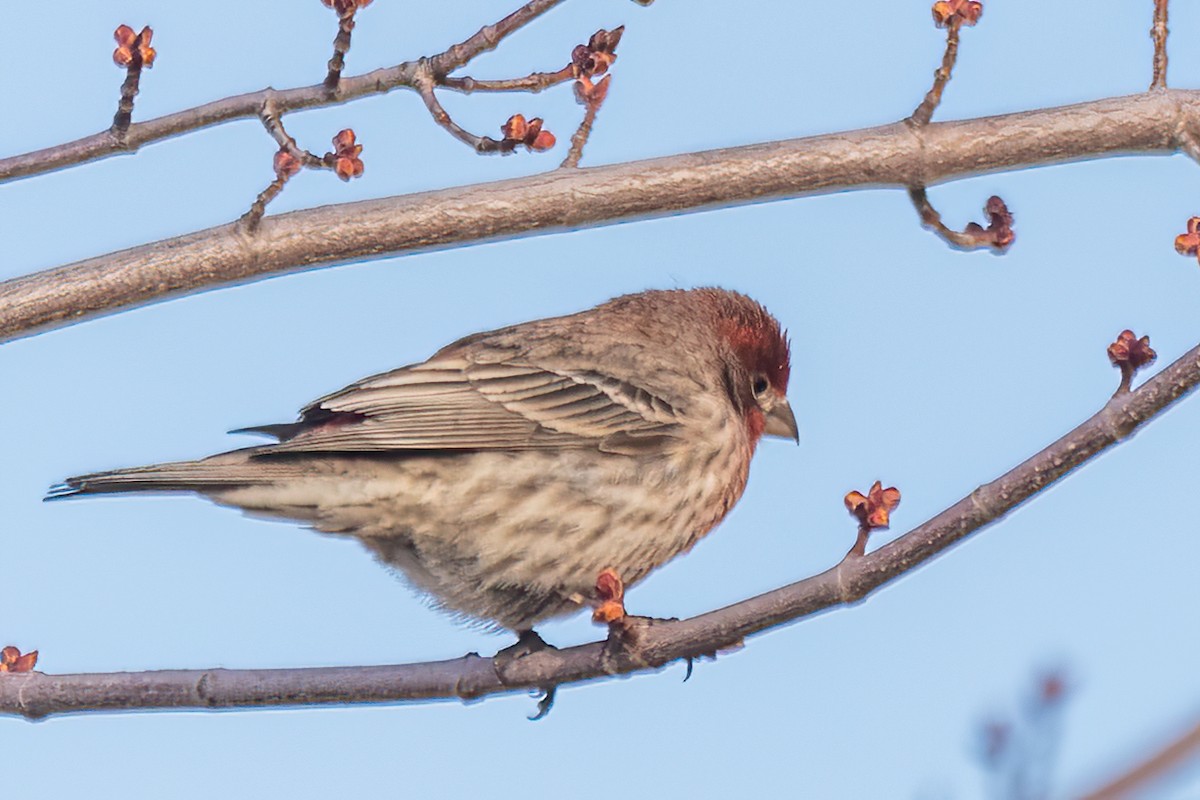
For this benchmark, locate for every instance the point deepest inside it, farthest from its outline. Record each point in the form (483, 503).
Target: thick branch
(379, 81)
(892, 155)
(647, 645)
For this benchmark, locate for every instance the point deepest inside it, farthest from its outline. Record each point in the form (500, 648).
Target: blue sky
(931, 369)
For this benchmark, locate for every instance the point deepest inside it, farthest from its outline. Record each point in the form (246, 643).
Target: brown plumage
(504, 473)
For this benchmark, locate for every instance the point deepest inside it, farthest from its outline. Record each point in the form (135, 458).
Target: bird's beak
(781, 421)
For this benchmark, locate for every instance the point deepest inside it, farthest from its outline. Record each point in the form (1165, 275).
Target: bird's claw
(545, 703)
(528, 642)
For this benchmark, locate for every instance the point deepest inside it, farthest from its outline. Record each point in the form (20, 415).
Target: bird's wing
(454, 402)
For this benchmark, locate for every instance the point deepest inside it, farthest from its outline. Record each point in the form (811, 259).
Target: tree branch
(1153, 768)
(644, 644)
(891, 155)
(534, 82)
(426, 85)
(380, 81)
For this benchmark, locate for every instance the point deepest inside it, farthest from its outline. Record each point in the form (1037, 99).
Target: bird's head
(757, 366)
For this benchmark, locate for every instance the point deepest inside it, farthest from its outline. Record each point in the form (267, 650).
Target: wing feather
(454, 402)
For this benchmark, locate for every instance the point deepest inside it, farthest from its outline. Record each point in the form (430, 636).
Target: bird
(505, 473)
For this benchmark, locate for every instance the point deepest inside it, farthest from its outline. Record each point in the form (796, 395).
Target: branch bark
(899, 155)
(646, 645)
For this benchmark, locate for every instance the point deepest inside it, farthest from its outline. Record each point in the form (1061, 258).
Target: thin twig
(892, 155)
(288, 161)
(341, 46)
(426, 85)
(1153, 768)
(580, 137)
(272, 122)
(1159, 33)
(253, 216)
(488, 37)
(859, 549)
(924, 112)
(534, 82)
(998, 235)
(129, 90)
(592, 96)
(135, 52)
(643, 644)
(244, 106)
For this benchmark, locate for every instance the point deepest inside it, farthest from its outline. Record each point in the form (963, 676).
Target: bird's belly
(517, 537)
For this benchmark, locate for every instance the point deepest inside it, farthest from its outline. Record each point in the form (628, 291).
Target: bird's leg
(528, 642)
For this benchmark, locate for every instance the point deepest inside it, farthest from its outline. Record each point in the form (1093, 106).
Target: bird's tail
(224, 471)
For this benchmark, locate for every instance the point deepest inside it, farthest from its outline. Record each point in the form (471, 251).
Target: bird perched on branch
(508, 471)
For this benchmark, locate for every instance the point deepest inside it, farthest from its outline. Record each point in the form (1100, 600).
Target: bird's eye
(760, 385)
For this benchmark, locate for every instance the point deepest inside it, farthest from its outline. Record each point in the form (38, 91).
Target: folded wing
(454, 402)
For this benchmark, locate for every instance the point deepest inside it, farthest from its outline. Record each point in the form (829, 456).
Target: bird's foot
(528, 642)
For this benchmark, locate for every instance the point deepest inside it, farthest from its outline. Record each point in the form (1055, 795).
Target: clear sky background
(931, 369)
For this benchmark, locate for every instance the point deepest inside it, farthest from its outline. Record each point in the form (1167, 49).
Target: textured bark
(898, 155)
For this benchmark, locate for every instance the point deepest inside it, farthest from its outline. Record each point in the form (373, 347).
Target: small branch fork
(587, 61)
(425, 85)
(344, 160)
(633, 644)
(126, 137)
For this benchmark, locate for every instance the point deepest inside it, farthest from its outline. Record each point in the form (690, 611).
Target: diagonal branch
(488, 37)
(891, 155)
(646, 644)
(380, 81)
(1154, 768)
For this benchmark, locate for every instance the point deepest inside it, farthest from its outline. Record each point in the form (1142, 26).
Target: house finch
(504, 474)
